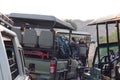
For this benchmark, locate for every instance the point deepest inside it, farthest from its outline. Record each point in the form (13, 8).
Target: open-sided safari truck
(80, 49)
(106, 62)
(46, 54)
(11, 56)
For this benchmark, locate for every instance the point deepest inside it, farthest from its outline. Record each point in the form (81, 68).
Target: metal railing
(5, 21)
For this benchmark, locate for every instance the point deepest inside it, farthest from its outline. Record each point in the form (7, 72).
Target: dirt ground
(91, 53)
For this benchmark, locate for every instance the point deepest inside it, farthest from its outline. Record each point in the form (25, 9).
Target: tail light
(86, 70)
(52, 67)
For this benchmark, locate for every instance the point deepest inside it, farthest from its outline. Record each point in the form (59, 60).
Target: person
(113, 55)
(66, 40)
(23, 29)
(73, 40)
(74, 47)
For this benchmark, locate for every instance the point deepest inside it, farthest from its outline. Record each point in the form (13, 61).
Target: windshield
(103, 51)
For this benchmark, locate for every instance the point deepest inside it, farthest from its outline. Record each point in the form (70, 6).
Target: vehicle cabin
(44, 56)
(107, 53)
(11, 56)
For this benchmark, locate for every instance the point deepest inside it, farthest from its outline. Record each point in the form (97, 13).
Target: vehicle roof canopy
(108, 19)
(39, 21)
(74, 32)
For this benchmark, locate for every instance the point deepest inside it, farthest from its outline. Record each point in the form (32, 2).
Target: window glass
(34, 56)
(104, 52)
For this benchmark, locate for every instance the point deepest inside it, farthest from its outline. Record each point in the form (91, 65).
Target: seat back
(19, 34)
(45, 39)
(83, 50)
(30, 38)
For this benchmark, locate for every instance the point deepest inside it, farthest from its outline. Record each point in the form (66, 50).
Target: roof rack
(5, 21)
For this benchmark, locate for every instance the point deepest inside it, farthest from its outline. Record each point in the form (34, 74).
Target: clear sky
(63, 9)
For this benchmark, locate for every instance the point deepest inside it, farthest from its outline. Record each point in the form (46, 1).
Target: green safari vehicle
(106, 61)
(47, 55)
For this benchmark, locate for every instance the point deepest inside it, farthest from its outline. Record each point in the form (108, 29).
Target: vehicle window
(104, 52)
(11, 56)
(102, 34)
(12, 62)
(112, 33)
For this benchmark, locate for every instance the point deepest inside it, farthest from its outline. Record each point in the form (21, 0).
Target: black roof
(42, 21)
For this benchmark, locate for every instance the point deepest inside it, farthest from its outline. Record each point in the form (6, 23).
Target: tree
(72, 23)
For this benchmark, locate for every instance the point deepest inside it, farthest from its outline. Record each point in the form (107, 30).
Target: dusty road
(91, 53)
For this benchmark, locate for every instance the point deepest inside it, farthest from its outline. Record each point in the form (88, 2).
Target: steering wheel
(106, 65)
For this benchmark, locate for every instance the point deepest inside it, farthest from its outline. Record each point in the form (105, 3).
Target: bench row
(30, 38)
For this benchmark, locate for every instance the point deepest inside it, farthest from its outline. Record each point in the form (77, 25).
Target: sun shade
(108, 19)
(74, 32)
(34, 19)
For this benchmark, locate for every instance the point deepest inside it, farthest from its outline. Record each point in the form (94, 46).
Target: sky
(63, 9)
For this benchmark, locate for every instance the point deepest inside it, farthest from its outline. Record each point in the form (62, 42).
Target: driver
(74, 47)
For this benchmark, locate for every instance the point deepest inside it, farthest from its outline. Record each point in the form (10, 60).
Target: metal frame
(106, 21)
(5, 21)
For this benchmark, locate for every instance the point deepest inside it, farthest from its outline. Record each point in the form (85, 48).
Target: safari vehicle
(83, 40)
(45, 53)
(11, 57)
(106, 62)
(79, 49)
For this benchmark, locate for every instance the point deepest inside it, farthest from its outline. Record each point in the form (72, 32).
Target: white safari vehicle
(11, 57)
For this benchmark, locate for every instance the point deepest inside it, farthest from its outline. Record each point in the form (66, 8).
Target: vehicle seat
(83, 53)
(30, 38)
(83, 50)
(46, 39)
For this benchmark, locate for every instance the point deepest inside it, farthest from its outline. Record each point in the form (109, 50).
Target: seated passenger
(74, 47)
